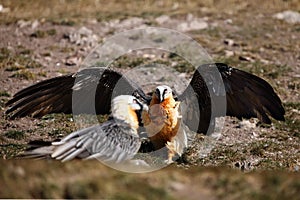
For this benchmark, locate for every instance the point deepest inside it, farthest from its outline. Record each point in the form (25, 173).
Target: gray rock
(3, 9)
(229, 42)
(195, 24)
(162, 19)
(288, 16)
(22, 23)
(131, 22)
(83, 36)
(35, 24)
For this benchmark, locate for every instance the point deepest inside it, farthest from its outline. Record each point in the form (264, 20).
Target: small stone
(174, 63)
(20, 171)
(268, 35)
(255, 134)
(48, 58)
(162, 19)
(229, 42)
(35, 24)
(196, 24)
(229, 53)
(246, 124)
(182, 75)
(3, 9)
(176, 186)
(22, 23)
(82, 36)
(85, 31)
(246, 58)
(189, 17)
(149, 56)
(175, 6)
(73, 60)
(93, 21)
(264, 61)
(288, 16)
(131, 22)
(228, 21)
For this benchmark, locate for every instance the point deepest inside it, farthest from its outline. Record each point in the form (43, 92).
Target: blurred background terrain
(40, 40)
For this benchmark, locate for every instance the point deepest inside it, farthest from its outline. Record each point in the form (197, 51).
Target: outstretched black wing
(246, 96)
(87, 91)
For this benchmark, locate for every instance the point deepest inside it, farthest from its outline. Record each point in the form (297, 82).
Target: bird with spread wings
(246, 96)
(162, 123)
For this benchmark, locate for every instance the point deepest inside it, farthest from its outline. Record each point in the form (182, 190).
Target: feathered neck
(121, 111)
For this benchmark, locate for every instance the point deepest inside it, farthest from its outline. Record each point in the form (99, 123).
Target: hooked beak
(159, 95)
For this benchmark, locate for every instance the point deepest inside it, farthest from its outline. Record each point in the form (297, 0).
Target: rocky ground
(40, 41)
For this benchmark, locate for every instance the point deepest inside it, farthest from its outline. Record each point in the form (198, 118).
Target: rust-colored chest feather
(161, 121)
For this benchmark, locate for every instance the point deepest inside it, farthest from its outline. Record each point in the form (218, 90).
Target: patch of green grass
(271, 71)
(24, 74)
(125, 62)
(43, 74)
(63, 71)
(66, 49)
(64, 22)
(258, 148)
(181, 64)
(260, 69)
(229, 153)
(294, 84)
(2, 103)
(38, 34)
(13, 62)
(225, 155)
(292, 119)
(47, 54)
(26, 52)
(4, 53)
(43, 34)
(57, 116)
(232, 61)
(15, 68)
(271, 164)
(8, 151)
(59, 132)
(62, 124)
(4, 93)
(14, 134)
(214, 32)
(51, 32)
(102, 118)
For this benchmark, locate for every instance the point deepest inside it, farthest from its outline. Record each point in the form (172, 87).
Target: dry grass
(68, 12)
(91, 179)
